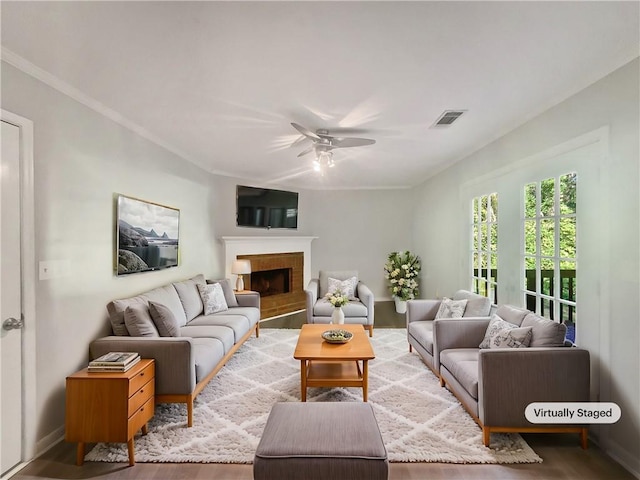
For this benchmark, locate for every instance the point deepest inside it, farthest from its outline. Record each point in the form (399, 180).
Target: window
(550, 255)
(484, 248)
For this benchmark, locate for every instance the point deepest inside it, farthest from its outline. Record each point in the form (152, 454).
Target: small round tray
(337, 336)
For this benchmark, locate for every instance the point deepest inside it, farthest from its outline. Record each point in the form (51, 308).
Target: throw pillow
(213, 298)
(164, 319)
(139, 322)
(451, 308)
(512, 338)
(347, 287)
(496, 324)
(227, 289)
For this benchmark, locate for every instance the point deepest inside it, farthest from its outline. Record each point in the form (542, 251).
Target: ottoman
(321, 441)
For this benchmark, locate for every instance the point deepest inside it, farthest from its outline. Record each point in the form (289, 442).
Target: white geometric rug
(419, 420)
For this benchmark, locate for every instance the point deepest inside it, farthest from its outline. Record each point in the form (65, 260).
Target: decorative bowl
(337, 336)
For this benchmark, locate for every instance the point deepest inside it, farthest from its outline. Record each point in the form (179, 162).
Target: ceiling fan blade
(351, 142)
(308, 150)
(305, 131)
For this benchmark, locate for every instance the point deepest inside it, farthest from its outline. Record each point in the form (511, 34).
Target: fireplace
(278, 277)
(271, 282)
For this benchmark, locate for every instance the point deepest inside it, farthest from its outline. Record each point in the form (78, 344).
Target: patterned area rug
(419, 420)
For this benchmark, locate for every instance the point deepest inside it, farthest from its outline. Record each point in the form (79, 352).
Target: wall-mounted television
(266, 208)
(147, 236)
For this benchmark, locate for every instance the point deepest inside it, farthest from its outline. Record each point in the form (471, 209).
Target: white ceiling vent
(447, 118)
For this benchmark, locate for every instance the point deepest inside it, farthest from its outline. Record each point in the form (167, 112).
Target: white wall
(81, 160)
(612, 335)
(356, 229)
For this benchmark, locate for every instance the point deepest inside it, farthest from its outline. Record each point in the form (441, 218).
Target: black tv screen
(266, 208)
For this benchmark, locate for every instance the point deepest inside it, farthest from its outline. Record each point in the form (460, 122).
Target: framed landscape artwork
(146, 235)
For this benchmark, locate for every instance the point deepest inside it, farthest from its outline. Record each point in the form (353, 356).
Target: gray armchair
(319, 310)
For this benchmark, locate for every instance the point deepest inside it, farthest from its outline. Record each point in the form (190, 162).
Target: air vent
(448, 117)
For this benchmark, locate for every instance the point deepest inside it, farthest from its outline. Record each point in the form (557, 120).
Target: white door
(10, 300)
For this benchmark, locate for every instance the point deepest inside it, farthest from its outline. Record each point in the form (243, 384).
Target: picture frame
(147, 236)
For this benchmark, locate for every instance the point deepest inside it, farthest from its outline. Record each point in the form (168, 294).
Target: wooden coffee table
(325, 364)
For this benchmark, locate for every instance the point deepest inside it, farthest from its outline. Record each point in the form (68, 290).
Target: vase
(401, 305)
(337, 317)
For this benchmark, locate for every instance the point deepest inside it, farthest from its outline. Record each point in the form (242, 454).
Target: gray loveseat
(185, 363)
(420, 317)
(495, 385)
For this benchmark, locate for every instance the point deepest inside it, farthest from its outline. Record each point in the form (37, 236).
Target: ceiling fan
(323, 144)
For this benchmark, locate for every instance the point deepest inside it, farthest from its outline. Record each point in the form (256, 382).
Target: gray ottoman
(321, 441)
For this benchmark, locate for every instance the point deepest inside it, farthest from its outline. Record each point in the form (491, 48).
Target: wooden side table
(109, 407)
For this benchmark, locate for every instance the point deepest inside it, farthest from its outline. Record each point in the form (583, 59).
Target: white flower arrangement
(402, 270)
(337, 298)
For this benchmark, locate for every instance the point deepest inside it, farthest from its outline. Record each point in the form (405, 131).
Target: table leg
(80, 454)
(365, 379)
(132, 459)
(303, 380)
(145, 430)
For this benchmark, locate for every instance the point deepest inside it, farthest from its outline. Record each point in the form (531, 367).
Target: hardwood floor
(563, 459)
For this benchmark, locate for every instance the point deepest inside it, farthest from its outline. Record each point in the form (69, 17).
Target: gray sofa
(495, 385)
(202, 344)
(358, 311)
(420, 317)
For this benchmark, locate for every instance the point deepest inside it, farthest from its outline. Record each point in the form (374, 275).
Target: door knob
(12, 324)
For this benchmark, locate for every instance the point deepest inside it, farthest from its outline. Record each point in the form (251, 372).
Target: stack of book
(114, 362)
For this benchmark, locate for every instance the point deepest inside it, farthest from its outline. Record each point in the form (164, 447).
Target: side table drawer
(141, 417)
(140, 397)
(141, 378)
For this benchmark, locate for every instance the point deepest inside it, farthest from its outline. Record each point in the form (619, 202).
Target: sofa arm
(366, 297)
(311, 297)
(465, 332)
(249, 300)
(510, 379)
(174, 356)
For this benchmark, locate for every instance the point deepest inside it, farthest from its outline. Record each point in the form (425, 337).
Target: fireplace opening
(271, 282)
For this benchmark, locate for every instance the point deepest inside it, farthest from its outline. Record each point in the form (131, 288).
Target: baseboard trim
(623, 457)
(49, 441)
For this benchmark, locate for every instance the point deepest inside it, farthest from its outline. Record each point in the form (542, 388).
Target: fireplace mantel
(234, 246)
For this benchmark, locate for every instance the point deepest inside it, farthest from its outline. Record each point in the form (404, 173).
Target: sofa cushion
(238, 323)
(190, 296)
(207, 353)
(165, 321)
(116, 310)
(227, 289)
(478, 307)
(224, 334)
(347, 287)
(451, 308)
(139, 322)
(545, 332)
(354, 308)
(251, 313)
(496, 325)
(168, 297)
(213, 298)
(423, 333)
(512, 338)
(512, 314)
(338, 274)
(463, 364)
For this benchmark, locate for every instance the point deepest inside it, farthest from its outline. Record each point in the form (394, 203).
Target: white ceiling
(220, 82)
